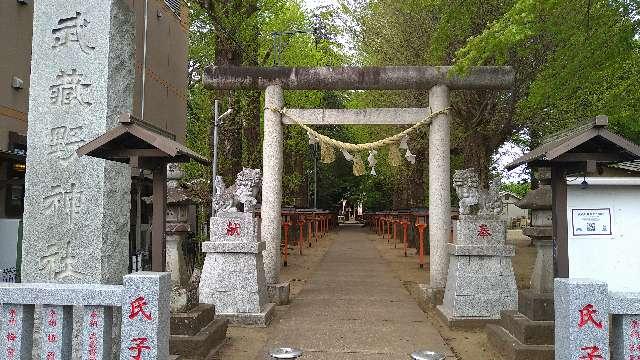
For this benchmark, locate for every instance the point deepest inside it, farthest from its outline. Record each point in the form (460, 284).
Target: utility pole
(217, 121)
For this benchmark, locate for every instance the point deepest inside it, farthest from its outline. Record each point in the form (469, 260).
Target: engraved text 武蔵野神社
(58, 261)
(72, 30)
(63, 201)
(63, 142)
(70, 88)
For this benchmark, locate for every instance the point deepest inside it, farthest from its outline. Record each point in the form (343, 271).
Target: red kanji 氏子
(138, 346)
(483, 231)
(233, 229)
(137, 307)
(591, 353)
(586, 316)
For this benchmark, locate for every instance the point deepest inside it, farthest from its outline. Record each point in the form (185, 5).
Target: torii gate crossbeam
(436, 79)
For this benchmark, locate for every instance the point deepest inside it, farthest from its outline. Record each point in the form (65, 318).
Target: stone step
(204, 345)
(190, 323)
(535, 306)
(512, 349)
(528, 331)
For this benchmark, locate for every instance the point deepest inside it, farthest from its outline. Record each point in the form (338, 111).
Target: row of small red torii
(386, 224)
(321, 221)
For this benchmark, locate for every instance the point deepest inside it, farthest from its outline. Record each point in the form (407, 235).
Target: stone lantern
(177, 225)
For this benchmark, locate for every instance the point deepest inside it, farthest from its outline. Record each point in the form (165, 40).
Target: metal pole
(315, 176)
(144, 57)
(217, 121)
(214, 165)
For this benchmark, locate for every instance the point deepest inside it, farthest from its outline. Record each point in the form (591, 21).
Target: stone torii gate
(436, 79)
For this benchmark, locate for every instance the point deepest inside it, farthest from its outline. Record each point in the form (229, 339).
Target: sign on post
(590, 222)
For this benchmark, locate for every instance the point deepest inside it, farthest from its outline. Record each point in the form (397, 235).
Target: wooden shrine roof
(591, 141)
(135, 138)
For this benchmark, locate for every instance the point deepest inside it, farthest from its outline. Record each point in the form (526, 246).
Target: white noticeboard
(590, 222)
(604, 234)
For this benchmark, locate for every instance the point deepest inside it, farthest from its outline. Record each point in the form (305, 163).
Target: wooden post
(301, 235)
(286, 242)
(404, 228)
(389, 221)
(560, 224)
(395, 236)
(158, 239)
(309, 232)
(421, 239)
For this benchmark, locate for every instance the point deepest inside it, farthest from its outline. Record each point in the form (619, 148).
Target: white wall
(612, 258)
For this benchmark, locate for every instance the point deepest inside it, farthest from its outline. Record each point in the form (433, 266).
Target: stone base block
(191, 322)
(203, 345)
(433, 296)
(426, 297)
(512, 349)
(527, 331)
(537, 307)
(261, 319)
(480, 287)
(459, 322)
(279, 293)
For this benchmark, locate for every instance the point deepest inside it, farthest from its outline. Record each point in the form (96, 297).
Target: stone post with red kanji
(581, 319)
(145, 316)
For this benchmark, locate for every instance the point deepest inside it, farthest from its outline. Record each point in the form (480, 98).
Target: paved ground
(353, 308)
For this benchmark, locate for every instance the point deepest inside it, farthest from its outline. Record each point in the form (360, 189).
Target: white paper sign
(589, 222)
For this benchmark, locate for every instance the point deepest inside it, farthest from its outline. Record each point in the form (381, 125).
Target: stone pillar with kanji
(480, 281)
(233, 275)
(76, 209)
(581, 319)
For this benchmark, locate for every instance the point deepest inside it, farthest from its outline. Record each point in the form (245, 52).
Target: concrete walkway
(353, 308)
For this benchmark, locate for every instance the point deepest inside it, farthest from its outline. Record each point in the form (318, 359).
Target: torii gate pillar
(272, 164)
(439, 187)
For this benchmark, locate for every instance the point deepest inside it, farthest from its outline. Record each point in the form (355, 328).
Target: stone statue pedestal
(233, 276)
(480, 282)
